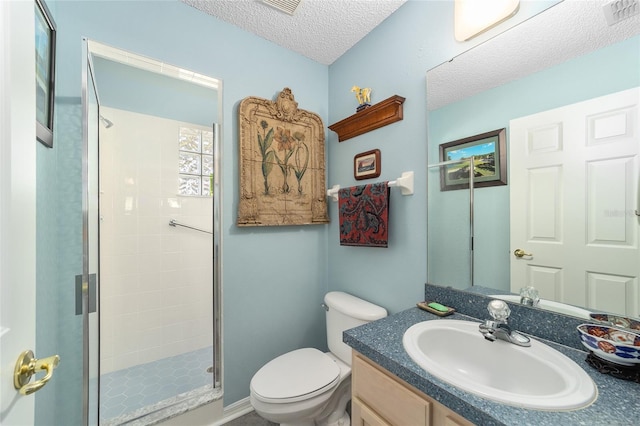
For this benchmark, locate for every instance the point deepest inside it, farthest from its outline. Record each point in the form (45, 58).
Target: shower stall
(153, 225)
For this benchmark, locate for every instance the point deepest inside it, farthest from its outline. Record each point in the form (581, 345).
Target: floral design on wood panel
(282, 170)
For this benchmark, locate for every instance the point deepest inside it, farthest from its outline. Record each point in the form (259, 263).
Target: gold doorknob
(27, 365)
(521, 253)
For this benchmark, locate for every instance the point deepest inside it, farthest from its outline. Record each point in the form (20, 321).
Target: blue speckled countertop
(618, 401)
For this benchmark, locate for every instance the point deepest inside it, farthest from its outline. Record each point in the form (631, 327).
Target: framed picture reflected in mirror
(489, 154)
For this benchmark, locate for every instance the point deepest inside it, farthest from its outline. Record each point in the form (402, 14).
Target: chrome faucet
(498, 329)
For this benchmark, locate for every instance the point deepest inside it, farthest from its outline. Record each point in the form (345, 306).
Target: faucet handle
(529, 296)
(499, 310)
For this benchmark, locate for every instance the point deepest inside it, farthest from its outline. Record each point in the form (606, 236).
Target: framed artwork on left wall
(45, 40)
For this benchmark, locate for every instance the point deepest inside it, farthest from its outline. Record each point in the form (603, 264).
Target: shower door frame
(89, 338)
(91, 390)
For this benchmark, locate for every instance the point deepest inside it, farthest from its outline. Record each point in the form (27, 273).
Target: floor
(251, 419)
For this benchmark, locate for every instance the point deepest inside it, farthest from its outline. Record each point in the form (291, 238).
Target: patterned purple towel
(364, 215)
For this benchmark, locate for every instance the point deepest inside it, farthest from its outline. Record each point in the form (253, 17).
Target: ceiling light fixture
(618, 10)
(286, 6)
(473, 17)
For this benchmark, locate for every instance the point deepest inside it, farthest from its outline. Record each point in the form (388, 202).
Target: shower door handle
(91, 289)
(26, 366)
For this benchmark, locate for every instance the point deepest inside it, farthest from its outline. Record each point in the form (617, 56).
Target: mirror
(524, 71)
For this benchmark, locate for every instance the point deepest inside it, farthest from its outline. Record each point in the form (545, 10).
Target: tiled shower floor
(126, 391)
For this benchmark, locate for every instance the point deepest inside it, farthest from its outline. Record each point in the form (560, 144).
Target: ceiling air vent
(286, 6)
(618, 10)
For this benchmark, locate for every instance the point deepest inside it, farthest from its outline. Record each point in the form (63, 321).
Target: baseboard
(235, 410)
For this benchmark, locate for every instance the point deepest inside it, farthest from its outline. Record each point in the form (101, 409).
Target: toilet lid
(294, 374)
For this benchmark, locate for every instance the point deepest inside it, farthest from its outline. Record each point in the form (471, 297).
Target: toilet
(307, 386)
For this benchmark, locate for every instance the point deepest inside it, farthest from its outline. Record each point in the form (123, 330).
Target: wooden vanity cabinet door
(381, 399)
(388, 398)
(361, 415)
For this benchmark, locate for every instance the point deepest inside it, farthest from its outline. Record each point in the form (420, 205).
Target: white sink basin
(537, 377)
(549, 305)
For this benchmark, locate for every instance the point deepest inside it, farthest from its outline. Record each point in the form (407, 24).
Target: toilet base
(299, 424)
(345, 420)
(332, 414)
(337, 408)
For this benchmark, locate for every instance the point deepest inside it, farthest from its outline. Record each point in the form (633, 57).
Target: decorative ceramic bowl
(617, 321)
(611, 343)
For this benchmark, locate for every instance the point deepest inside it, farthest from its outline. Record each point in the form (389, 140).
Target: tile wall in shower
(156, 280)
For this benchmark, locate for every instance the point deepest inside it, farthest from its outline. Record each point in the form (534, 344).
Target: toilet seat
(295, 376)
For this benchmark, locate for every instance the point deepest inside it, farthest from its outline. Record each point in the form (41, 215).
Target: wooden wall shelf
(376, 116)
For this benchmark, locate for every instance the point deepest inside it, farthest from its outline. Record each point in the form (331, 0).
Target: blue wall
(608, 70)
(274, 278)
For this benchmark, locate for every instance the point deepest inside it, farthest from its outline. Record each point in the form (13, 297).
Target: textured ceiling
(566, 30)
(319, 29)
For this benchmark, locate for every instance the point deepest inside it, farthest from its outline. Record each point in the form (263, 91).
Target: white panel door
(574, 198)
(17, 203)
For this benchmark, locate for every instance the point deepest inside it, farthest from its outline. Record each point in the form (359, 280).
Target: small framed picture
(489, 161)
(45, 72)
(366, 165)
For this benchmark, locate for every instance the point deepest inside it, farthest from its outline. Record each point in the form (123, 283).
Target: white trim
(212, 414)
(235, 410)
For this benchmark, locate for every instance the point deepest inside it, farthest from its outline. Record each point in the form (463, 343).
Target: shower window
(195, 162)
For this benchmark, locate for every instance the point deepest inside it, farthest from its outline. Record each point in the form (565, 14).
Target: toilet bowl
(306, 386)
(301, 388)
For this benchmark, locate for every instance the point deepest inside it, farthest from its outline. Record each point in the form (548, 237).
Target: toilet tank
(345, 311)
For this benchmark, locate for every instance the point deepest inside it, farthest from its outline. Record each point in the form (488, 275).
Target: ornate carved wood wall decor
(282, 167)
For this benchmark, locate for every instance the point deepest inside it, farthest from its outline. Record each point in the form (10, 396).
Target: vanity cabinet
(381, 399)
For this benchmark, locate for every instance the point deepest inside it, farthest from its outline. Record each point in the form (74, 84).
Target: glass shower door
(159, 207)
(90, 243)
